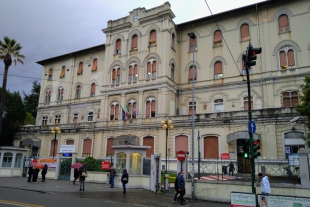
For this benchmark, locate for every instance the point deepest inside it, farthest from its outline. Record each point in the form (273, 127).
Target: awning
(36, 143)
(241, 135)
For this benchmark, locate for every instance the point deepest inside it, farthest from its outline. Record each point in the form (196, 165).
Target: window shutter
(283, 20)
(112, 110)
(118, 44)
(218, 68)
(51, 72)
(147, 111)
(116, 111)
(154, 65)
(193, 42)
(294, 101)
(243, 65)
(246, 104)
(54, 143)
(63, 70)
(118, 72)
(217, 36)
(135, 70)
(94, 68)
(153, 105)
(190, 109)
(78, 88)
(110, 150)
(282, 59)
(148, 68)
(190, 73)
(130, 70)
(69, 142)
(211, 147)
(286, 102)
(153, 36)
(114, 74)
(134, 41)
(149, 141)
(93, 88)
(245, 30)
(290, 57)
(181, 143)
(87, 146)
(80, 70)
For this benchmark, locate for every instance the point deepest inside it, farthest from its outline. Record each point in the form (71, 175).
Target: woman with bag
(124, 180)
(83, 175)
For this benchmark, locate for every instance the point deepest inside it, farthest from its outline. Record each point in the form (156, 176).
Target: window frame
(60, 94)
(57, 119)
(286, 50)
(290, 98)
(118, 51)
(6, 160)
(114, 104)
(78, 92)
(75, 118)
(246, 38)
(44, 120)
(190, 107)
(243, 103)
(215, 103)
(134, 105)
(152, 113)
(90, 116)
(153, 72)
(50, 75)
(47, 98)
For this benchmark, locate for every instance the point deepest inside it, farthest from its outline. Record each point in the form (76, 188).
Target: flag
(123, 114)
(127, 111)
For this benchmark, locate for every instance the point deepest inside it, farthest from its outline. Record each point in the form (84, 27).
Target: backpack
(176, 183)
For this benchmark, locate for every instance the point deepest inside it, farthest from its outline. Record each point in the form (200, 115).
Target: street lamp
(55, 131)
(193, 49)
(167, 125)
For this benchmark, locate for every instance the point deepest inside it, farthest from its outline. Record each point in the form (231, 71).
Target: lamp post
(167, 125)
(55, 131)
(193, 49)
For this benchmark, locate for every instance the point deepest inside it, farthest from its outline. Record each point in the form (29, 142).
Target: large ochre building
(145, 69)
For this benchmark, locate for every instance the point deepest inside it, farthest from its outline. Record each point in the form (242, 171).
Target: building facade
(143, 75)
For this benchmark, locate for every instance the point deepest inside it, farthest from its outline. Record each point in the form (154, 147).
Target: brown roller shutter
(118, 72)
(245, 30)
(245, 103)
(211, 147)
(80, 70)
(110, 150)
(190, 73)
(135, 70)
(54, 143)
(190, 110)
(149, 141)
(114, 74)
(130, 70)
(148, 68)
(130, 108)
(69, 142)
(112, 110)
(154, 66)
(153, 105)
(93, 88)
(218, 68)
(290, 57)
(217, 36)
(118, 44)
(283, 20)
(78, 88)
(116, 112)
(153, 36)
(51, 72)
(63, 70)
(134, 41)
(148, 109)
(243, 65)
(94, 68)
(193, 42)
(282, 59)
(87, 146)
(181, 143)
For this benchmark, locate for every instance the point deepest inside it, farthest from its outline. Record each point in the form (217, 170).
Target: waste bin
(224, 169)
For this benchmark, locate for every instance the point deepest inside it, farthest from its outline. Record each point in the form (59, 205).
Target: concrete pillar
(140, 108)
(57, 170)
(304, 168)
(13, 163)
(1, 159)
(74, 155)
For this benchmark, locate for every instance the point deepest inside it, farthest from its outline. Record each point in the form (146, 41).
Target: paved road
(54, 192)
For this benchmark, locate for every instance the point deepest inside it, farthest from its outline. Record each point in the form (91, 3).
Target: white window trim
(286, 49)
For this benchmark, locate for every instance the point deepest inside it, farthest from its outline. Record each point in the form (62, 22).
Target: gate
(26, 164)
(65, 168)
(146, 166)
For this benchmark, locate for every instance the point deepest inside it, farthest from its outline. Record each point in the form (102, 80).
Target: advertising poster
(240, 199)
(50, 162)
(282, 201)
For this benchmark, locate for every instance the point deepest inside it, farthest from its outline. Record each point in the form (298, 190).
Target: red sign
(33, 162)
(181, 156)
(105, 165)
(225, 156)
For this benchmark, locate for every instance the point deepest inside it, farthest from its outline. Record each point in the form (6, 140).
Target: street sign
(252, 127)
(105, 165)
(181, 156)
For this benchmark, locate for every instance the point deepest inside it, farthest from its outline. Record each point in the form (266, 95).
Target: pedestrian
(231, 169)
(82, 175)
(177, 192)
(264, 185)
(44, 171)
(124, 180)
(35, 174)
(75, 175)
(181, 186)
(112, 176)
(30, 173)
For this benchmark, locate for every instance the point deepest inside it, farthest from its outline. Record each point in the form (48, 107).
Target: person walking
(30, 173)
(35, 175)
(231, 169)
(112, 176)
(181, 186)
(264, 185)
(82, 175)
(44, 171)
(124, 180)
(75, 175)
(177, 192)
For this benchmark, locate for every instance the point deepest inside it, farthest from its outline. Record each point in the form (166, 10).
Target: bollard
(166, 188)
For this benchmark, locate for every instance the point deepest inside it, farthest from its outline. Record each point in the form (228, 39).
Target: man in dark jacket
(112, 176)
(30, 173)
(35, 175)
(124, 180)
(181, 186)
(44, 171)
(75, 175)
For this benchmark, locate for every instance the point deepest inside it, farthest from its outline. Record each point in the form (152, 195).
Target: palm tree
(9, 52)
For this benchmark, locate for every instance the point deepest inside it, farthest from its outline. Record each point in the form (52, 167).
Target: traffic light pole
(250, 119)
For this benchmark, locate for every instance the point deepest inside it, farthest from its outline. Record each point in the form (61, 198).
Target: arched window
(181, 143)
(172, 72)
(293, 141)
(50, 75)
(211, 147)
(190, 108)
(18, 159)
(87, 144)
(245, 32)
(93, 90)
(80, 70)
(95, 62)
(69, 142)
(133, 72)
(75, 118)
(60, 94)
(151, 69)
(153, 37)
(134, 43)
(149, 141)
(173, 41)
(246, 103)
(7, 159)
(78, 92)
(287, 57)
(217, 39)
(118, 46)
(218, 105)
(90, 116)
(283, 23)
(290, 98)
(63, 71)
(47, 96)
(53, 148)
(44, 120)
(57, 119)
(192, 44)
(218, 70)
(150, 108)
(192, 74)
(114, 111)
(131, 109)
(116, 76)
(109, 150)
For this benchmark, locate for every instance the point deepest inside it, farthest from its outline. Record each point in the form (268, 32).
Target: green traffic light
(246, 155)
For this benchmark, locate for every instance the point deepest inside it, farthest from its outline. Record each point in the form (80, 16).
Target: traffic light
(246, 148)
(256, 142)
(251, 55)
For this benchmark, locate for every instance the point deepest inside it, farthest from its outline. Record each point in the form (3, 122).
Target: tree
(29, 119)
(9, 52)
(304, 107)
(31, 101)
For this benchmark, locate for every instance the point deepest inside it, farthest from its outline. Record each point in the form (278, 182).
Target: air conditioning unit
(218, 76)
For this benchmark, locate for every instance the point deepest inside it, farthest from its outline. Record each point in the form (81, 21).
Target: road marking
(19, 203)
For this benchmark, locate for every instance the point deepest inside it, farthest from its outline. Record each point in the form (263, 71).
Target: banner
(282, 201)
(240, 199)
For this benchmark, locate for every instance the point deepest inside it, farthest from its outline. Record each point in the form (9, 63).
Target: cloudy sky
(50, 28)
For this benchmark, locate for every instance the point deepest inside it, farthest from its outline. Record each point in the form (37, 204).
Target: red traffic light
(256, 142)
(256, 50)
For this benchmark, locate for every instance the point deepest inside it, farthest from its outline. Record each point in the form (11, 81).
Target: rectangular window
(290, 99)
(75, 118)
(218, 105)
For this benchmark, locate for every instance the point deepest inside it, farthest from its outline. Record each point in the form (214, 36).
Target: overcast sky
(51, 28)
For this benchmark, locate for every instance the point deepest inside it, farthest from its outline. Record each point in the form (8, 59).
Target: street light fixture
(55, 131)
(167, 125)
(193, 49)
